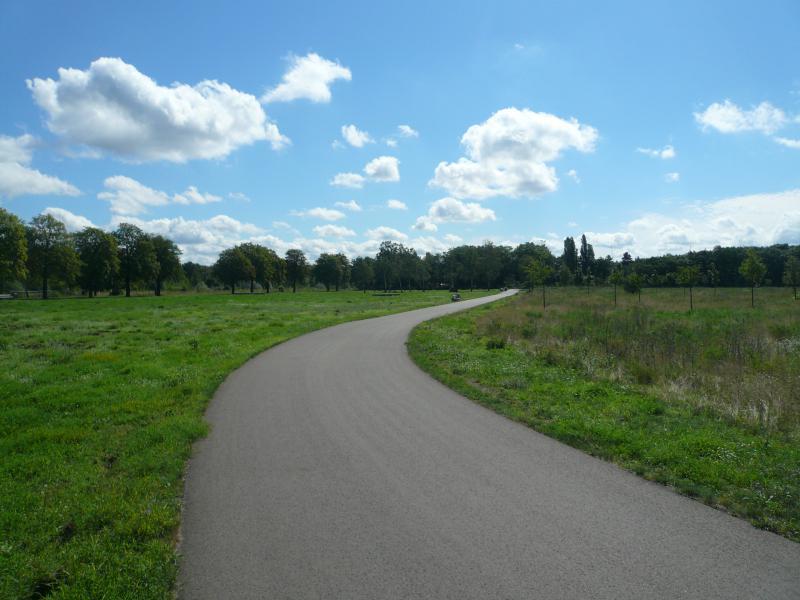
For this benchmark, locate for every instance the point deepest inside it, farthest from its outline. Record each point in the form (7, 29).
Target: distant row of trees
(42, 253)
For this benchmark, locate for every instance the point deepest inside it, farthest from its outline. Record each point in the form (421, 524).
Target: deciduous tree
(97, 251)
(50, 252)
(753, 270)
(296, 267)
(13, 248)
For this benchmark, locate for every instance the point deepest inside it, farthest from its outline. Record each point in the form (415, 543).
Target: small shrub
(495, 344)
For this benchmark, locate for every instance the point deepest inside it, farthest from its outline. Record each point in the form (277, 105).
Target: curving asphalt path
(337, 469)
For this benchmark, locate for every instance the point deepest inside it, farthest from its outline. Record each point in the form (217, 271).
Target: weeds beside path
(100, 402)
(535, 368)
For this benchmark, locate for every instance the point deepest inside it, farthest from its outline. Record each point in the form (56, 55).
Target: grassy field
(706, 401)
(101, 401)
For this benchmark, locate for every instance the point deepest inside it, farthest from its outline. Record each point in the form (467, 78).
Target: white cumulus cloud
(326, 214)
(70, 220)
(508, 155)
(355, 137)
(788, 142)
(309, 77)
(130, 197)
(336, 231)
(672, 177)
(350, 205)
(112, 107)
(727, 117)
(385, 233)
(573, 174)
(17, 178)
(664, 153)
(349, 180)
(396, 204)
(383, 168)
(407, 131)
(453, 210)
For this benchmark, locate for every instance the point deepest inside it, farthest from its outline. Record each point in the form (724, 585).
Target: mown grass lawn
(640, 386)
(100, 401)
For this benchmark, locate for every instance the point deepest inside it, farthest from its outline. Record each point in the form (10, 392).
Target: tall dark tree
(586, 258)
(50, 252)
(570, 256)
(97, 251)
(327, 270)
(345, 271)
(489, 263)
(233, 266)
(363, 272)
(627, 261)
(137, 259)
(168, 261)
(13, 248)
(264, 264)
(296, 267)
(538, 273)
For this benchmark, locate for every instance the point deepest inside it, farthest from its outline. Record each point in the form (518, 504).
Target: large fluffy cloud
(129, 197)
(755, 220)
(16, 176)
(452, 210)
(727, 117)
(336, 231)
(112, 107)
(309, 77)
(508, 155)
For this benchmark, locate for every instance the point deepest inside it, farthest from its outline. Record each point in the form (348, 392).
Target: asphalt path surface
(335, 468)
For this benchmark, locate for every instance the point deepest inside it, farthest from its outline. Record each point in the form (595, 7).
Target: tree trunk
(233, 287)
(752, 296)
(158, 287)
(44, 286)
(127, 285)
(294, 286)
(252, 285)
(615, 295)
(691, 300)
(544, 301)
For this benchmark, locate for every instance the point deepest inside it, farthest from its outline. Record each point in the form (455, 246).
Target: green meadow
(706, 401)
(101, 400)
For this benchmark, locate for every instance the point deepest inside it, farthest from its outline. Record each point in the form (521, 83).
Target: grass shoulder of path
(100, 401)
(748, 470)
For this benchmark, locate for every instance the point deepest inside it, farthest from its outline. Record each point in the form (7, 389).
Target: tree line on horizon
(43, 254)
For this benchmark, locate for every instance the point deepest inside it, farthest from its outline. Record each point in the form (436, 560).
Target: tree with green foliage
(633, 285)
(586, 259)
(791, 274)
(363, 272)
(137, 257)
(13, 248)
(233, 266)
(538, 272)
(688, 277)
(97, 251)
(753, 270)
(168, 261)
(327, 270)
(565, 277)
(296, 267)
(50, 252)
(264, 264)
(569, 258)
(712, 277)
(627, 261)
(616, 278)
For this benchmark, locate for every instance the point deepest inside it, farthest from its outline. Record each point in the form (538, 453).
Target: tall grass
(741, 362)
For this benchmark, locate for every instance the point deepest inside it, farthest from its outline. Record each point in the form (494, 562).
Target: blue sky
(653, 128)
